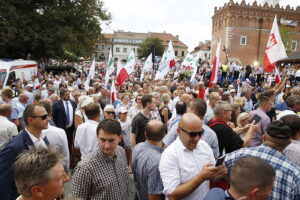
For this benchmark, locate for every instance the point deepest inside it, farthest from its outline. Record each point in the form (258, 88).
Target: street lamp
(260, 21)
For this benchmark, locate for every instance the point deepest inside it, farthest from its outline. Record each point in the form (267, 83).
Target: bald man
(7, 129)
(145, 160)
(187, 165)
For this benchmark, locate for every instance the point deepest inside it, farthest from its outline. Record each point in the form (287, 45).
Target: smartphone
(256, 118)
(220, 160)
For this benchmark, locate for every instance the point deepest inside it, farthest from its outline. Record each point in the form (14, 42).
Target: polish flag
(126, 70)
(167, 62)
(275, 49)
(277, 76)
(113, 92)
(119, 67)
(216, 66)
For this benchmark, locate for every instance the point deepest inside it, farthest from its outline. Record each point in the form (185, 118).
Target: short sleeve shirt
(138, 127)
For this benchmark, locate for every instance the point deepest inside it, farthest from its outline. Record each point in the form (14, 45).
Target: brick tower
(244, 30)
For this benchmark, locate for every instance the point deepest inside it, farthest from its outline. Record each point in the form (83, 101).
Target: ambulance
(10, 71)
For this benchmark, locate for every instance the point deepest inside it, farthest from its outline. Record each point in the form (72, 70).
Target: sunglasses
(193, 134)
(43, 117)
(108, 112)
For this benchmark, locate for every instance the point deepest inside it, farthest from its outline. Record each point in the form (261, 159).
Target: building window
(182, 53)
(124, 50)
(133, 50)
(176, 53)
(117, 49)
(294, 45)
(102, 46)
(102, 54)
(96, 46)
(243, 40)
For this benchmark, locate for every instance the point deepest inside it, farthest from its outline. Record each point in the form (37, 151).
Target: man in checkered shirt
(287, 181)
(103, 174)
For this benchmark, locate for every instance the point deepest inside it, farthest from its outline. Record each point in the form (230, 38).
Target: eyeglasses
(43, 117)
(108, 112)
(193, 134)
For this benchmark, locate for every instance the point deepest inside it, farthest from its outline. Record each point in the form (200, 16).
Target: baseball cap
(278, 129)
(123, 110)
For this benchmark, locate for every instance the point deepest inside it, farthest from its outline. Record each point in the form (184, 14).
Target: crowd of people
(239, 139)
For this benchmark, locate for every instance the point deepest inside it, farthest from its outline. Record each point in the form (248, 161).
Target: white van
(12, 70)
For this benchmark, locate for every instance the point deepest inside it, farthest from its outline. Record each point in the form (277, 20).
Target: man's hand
(209, 171)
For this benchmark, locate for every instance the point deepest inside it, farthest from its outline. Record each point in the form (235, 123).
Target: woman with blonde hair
(241, 102)
(243, 124)
(164, 111)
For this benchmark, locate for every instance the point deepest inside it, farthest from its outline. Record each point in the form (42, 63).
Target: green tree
(50, 28)
(146, 47)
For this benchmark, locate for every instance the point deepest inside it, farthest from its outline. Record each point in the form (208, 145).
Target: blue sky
(190, 19)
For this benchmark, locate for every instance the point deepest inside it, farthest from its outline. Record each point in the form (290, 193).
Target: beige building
(123, 42)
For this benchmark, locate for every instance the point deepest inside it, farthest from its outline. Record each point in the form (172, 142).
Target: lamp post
(260, 21)
(153, 53)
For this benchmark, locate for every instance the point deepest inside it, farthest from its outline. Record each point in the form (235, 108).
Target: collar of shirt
(36, 140)
(180, 145)
(157, 148)
(295, 142)
(102, 155)
(261, 110)
(92, 121)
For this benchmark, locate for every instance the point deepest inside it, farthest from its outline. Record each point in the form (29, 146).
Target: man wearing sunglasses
(36, 119)
(187, 165)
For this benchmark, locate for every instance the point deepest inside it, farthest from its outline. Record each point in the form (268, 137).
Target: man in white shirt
(7, 129)
(188, 163)
(56, 136)
(86, 137)
(213, 98)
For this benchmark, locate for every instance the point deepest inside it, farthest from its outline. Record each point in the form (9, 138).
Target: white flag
(90, 76)
(275, 49)
(187, 62)
(147, 66)
(110, 67)
(167, 62)
(194, 66)
(215, 67)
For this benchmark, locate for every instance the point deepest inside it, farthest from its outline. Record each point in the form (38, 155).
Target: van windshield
(2, 76)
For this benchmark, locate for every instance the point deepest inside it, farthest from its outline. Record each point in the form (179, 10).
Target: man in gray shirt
(145, 161)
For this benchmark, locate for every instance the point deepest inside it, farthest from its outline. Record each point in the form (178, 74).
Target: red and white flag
(215, 67)
(275, 49)
(113, 92)
(126, 70)
(277, 76)
(167, 62)
(119, 67)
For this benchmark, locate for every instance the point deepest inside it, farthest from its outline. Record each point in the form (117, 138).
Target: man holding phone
(265, 105)
(187, 165)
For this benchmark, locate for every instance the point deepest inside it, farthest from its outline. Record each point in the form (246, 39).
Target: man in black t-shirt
(141, 119)
(227, 138)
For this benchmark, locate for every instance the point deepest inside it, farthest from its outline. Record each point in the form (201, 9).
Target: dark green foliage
(146, 47)
(49, 28)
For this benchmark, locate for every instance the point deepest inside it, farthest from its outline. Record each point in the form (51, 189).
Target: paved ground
(131, 188)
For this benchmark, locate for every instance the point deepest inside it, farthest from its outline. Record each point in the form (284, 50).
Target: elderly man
(39, 174)
(213, 98)
(109, 112)
(187, 164)
(103, 174)
(293, 104)
(145, 160)
(228, 139)
(7, 129)
(36, 119)
(276, 139)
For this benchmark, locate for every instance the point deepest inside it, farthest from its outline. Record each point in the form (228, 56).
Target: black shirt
(138, 127)
(227, 138)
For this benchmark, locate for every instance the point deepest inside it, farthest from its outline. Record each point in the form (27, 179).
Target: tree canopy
(50, 28)
(146, 47)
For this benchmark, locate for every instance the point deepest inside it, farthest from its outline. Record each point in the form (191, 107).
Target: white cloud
(190, 19)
